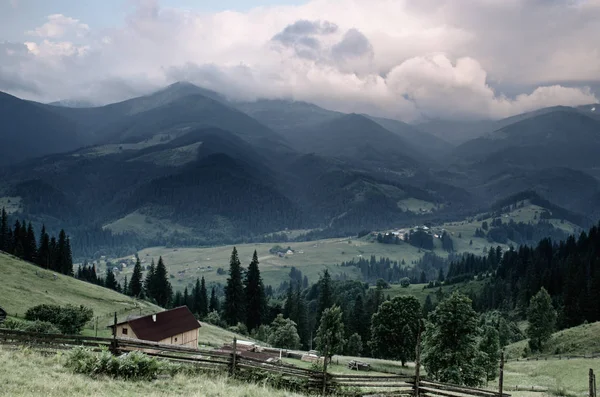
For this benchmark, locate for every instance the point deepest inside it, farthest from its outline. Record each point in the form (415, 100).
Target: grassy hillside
(420, 292)
(53, 380)
(581, 340)
(24, 285)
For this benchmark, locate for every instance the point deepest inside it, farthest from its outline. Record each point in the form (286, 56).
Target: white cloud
(399, 58)
(58, 26)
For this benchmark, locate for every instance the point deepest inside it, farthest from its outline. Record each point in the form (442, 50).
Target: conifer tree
(149, 284)
(125, 286)
(358, 322)
(17, 243)
(135, 284)
(288, 306)
(256, 301)
(301, 312)
(68, 258)
(186, 299)
(164, 291)
(43, 257)
(325, 295)
(4, 243)
(202, 300)
(110, 281)
(214, 301)
(234, 312)
(61, 265)
(30, 245)
(542, 320)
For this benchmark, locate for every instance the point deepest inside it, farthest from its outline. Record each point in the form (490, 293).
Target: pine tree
(164, 291)
(62, 264)
(110, 281)
(325, 294)
(288, 306)
(202, 302)
(233, 312)
(301, 312)
(68, 258)
(256, 301)
(149, 284)
(17, 243)
(4, 242)
(186, 299)
(53, 254)
(135, 284)
(30, 245)
(43, 257)
(358, 322)
(125, 287)
(214, 301)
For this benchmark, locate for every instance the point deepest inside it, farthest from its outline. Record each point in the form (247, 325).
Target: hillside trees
(395, 327)
(200, 298)
(156, 284)
(542, 320)
(325, 294)
(489, 346)
(284, 333)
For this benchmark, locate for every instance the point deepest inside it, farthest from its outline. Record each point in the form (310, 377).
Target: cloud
(403, 59)
(58, 26)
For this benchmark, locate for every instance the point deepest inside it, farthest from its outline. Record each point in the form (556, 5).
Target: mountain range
(202, 169)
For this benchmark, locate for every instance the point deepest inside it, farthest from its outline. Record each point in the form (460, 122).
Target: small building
(174, 327)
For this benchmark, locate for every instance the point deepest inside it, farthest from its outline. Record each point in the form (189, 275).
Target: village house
(175, 327)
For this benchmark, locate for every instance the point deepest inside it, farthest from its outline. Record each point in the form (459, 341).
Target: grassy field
(418, 290)
(581, 340)
(187, 264)
(562, 378)
(53, 380)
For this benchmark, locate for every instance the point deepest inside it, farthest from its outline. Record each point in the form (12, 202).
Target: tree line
(48, 252)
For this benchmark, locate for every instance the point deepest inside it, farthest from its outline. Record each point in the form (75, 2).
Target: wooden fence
(244, 367)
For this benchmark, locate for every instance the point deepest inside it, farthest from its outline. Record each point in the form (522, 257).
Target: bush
(131, 366)
(69, 319)
(43, 327)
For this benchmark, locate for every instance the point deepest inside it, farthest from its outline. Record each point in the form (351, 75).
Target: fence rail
(248, 367)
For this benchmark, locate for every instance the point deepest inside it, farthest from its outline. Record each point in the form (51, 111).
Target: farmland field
(312, 257)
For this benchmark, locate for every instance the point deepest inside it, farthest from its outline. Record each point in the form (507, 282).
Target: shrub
(69, 319)
(43, 327)
(130, 366)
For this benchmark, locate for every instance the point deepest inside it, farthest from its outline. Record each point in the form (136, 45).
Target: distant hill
(29, 130)
(68, 103)
(561, 138)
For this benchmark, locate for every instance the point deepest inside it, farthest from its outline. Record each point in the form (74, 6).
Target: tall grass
(28, 373)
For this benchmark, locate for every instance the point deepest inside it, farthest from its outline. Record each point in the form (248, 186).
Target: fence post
(418, 360)
(501, 375)
(233, 357)
(591, 383)
(326, 353)
(114, 342)
(595, 393)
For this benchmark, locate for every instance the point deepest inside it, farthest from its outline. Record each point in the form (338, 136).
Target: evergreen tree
(234, 309)
(62, 256)
(68, 258)
(149, 284)
(163, 290)
(110, 281)
(43, 257)
(256, 301)
(30, 245)
(214, 301)
(301, 312)
(126, 287)
(542, 320)
(288, 306)
(17, 243)
(135, 284)
(177, 299)
(450, 349)
(186, 299)
(358, 322)
(202, 300)
(325, 294)
(4, 242)
(428, 306)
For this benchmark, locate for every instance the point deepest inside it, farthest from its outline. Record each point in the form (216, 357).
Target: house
(175, 327)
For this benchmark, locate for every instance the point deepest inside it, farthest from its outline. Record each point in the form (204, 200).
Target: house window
(175, 339)
(124, 331)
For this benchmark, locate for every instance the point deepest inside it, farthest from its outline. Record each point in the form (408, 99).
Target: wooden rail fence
(240, 366)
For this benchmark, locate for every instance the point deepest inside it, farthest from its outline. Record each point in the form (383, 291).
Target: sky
(406, 59)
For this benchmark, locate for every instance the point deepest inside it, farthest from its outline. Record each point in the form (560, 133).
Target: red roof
(162, 325)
